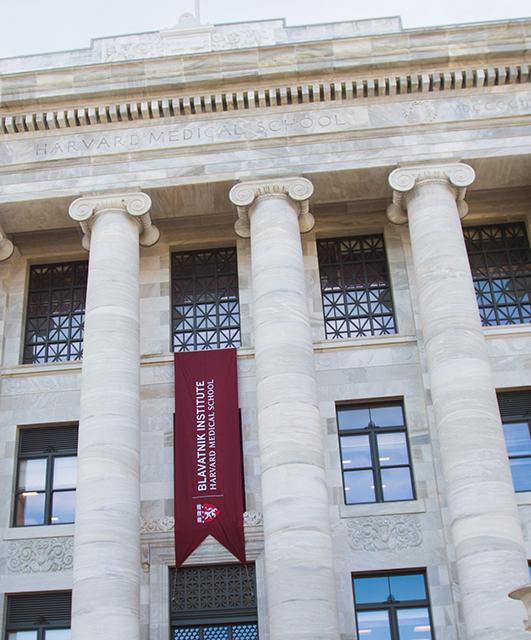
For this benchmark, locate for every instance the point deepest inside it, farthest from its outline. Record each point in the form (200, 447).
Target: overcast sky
(35, 26)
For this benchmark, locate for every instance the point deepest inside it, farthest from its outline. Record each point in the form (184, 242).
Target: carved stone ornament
(389, 533)
(244, 194)
(6, 246)
(167, 523)
(404, 179)
(40, 555)
(524, 595)
(84, 209)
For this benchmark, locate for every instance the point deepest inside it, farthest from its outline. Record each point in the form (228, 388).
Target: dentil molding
(384, 533)
(40, 555)
(404, 179)
(136, 204)
(244, 194)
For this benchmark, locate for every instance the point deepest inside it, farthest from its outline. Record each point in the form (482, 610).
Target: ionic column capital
(297, 189)
(137, 204)
(404, 180)
(6, 246)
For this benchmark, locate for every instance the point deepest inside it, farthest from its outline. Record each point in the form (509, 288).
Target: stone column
(298, 550)
(106, 586)
(483, 515)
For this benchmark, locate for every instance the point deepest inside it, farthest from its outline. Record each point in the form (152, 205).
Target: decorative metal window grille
(500, 260)
(39, 616)
(375, 456)
(46, 476)
(355, 287)
(55, 312)
(515, 410)
(205, 303)
(394, 606)
(214, 603)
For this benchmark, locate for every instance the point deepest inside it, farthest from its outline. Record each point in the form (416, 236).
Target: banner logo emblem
(206, 513)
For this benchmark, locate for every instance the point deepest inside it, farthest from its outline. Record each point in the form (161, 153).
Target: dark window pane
(205, 305)
(414, 624)
(63, 507)
(353, 418)
(517, 438)
(521, 472)
(30, 508)
(392, 449)
(359, 487)
(387, 416)
(355, 287)
(373, 589)
(355, 452)
(56, 292)
(396, 484)
(374, 625)
(410, 586)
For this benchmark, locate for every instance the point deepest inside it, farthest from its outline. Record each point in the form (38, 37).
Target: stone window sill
(507, 330)
(381, 509)
(523, 498)
(50, 531)
(372, 341)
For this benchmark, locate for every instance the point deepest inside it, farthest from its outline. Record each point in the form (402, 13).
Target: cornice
(244, 194)
(346, 90)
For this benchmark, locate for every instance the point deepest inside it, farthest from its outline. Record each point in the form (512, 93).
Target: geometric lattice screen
(55, 312)
(500, 260)
(355, 287)
(205, 304)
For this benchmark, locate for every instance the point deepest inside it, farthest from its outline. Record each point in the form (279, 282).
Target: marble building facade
(272, 140)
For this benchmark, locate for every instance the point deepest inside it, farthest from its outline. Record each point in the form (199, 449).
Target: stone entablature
(342, 89)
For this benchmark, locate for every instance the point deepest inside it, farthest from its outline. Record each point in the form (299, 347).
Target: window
(392, 606)
(55, 312)
(374, 453)
(39, 616)
(214, 603)
(515, 410)
(205, 304)
(355, 287)
(46, 476)
(500, 260)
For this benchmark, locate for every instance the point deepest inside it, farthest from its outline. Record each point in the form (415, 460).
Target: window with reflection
(214, 603)
(355, 287)
(392, 606)
(39, 616)
(46, 476)
(500, 260)
(55, 312)
(374, 450)
(515, 410)
(205, 302)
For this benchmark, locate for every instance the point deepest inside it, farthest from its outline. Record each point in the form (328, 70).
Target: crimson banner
(208, 491)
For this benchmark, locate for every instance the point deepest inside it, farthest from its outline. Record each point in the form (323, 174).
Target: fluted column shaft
(484, 521)
(106, 584)
(298, 552)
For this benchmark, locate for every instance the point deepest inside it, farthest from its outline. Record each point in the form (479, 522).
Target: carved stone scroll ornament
(244, 195)
(389, 533)
(404, 179)
(138, 204)
(6, 246)
(167, 523)
(40, 555)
